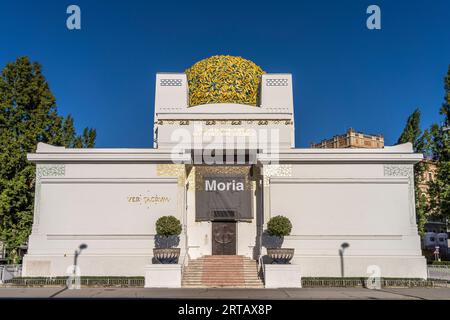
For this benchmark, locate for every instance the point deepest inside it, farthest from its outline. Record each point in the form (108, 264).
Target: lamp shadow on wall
(74, 271)
(81, 247)
(344, 246)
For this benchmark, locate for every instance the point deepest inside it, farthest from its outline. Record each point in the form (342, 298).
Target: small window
(430, 176)
(432, 239)
(441, 239)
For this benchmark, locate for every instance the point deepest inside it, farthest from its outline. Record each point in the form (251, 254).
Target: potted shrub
(279, 227)
(168, 229)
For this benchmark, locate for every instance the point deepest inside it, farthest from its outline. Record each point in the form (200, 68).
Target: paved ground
(307, 293)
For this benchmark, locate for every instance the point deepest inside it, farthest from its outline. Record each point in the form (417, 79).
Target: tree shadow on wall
(269, 241)
(165, 242)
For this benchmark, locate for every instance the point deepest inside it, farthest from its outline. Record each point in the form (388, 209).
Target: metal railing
(139, 282)
(439, 272)
(261, 270)
(86, 281)
(184, 263)
(9, 271)
(362, 283)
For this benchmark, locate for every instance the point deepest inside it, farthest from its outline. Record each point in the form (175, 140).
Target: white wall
(364, 205)
(106, 207)
(339, 207)
(112, 208)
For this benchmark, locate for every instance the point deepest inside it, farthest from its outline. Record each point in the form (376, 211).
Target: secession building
(224, 158)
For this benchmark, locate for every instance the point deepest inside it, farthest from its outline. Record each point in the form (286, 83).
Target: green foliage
(441, 263)
(413, 134)
(440, 150)
(421, 212)
(168, 226)
(279, 226)
(28, 115)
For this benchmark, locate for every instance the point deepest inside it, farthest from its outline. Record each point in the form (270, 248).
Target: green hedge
(440, 263)
(307, 282)
(84, 281)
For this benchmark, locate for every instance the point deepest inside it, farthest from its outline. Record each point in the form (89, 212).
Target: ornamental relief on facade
(398, 170)
(261, 122)
(404, 171)
(172, 170)
(57, 170)
(276, 170)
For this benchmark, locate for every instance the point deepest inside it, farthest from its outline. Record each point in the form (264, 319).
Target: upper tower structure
(224, 95)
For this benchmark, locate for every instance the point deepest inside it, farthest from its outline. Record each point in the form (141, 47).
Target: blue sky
(344, 74)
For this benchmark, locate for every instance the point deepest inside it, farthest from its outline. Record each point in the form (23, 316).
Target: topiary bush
(168, 226)
(279, 226)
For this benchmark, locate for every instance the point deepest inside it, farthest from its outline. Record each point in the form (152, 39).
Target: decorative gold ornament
(276, 170)
(224, 79)
(172, 170)
(201, 171)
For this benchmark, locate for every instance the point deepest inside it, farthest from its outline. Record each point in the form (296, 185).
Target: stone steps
(222, 272)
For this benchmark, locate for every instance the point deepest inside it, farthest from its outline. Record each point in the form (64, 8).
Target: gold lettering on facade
(134, 199)
(148, 199)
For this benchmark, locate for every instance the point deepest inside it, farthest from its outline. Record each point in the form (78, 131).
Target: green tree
(413, 134)
(440, 149)
(28, 115)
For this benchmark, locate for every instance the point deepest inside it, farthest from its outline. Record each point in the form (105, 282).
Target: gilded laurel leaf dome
(224, 79)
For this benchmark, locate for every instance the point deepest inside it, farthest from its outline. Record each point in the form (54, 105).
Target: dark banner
(223, 197)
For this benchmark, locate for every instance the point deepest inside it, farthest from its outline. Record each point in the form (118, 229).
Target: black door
(224, 238)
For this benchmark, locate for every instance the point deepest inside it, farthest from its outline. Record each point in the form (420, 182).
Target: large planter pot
(166, 255)
(280, 255)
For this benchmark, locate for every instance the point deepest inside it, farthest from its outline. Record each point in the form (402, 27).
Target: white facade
(109, 199)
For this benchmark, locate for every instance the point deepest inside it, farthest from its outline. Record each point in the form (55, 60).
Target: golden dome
(224, 79)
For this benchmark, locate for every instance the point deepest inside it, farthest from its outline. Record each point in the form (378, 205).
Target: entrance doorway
(224, 238)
